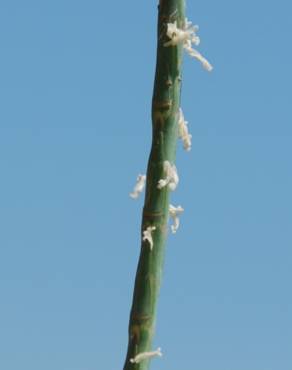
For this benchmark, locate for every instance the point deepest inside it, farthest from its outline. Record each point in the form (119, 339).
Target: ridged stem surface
(165, 112)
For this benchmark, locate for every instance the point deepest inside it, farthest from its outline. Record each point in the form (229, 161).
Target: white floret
(171, 177)
(146, 355)
(174, 212)
(139, 187)
(183, 132)
(147, 236)
(186, 36)
(195, 54)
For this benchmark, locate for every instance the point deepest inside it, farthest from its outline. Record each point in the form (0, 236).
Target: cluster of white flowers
(146, 355)
(186, 36)
(174, 212)
(183, 131)
(171, 180)
(147, 235)
(139, 187)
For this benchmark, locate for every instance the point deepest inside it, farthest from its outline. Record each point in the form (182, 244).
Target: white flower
(183, 131)
(171, 179)
(139, 187)
(146, 355)
(147, 235)
(174, 212)
(186, 36)
(195, 54)
(178, 35)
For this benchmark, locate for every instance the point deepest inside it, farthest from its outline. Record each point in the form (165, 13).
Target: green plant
(175, 34)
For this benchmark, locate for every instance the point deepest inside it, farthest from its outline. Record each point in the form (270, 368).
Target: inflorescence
(187, 37)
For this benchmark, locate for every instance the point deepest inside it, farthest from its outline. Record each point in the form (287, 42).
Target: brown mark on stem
(140, 318)
(135, 333)
(161, 111)
(168, 83)
(163, 105)
(152, 215)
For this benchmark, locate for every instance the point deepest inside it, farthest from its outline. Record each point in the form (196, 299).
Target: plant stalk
(165, 112)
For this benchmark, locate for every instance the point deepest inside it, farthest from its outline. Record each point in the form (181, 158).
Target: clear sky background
(76, 82)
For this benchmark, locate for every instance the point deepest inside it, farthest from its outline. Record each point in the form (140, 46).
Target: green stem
(165, 108)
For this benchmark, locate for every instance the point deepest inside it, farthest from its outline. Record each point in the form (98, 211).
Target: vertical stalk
(165, 108)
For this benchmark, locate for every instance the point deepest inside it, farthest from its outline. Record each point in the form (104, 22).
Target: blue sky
(75, 88)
